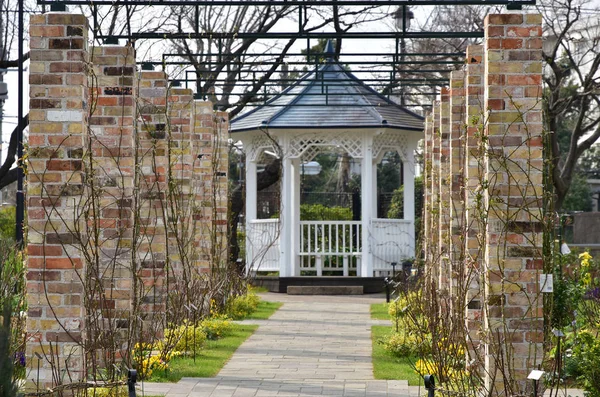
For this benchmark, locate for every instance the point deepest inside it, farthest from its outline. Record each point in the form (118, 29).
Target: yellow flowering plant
(241, 306)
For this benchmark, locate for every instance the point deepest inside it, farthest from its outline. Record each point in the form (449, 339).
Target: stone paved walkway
(312, 346)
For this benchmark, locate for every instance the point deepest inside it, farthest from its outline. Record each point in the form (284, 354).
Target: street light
(402, 16)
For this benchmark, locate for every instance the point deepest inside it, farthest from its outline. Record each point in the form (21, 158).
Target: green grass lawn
(264, 310)
(379, 311)
(209, 361)
(385, 364)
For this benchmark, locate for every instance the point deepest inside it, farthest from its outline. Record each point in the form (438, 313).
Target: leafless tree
(571, 75)
(572, 95)
(221, 65)
(439, 18)
(8, 60)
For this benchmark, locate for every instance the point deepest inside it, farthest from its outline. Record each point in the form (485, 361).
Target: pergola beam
(291, 35)
(288, 2)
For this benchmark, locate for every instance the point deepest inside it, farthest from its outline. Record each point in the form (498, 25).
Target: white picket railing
(391, 241)
(262, 244)
(333, 247)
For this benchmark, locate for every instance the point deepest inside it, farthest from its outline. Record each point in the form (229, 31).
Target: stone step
(325, 290)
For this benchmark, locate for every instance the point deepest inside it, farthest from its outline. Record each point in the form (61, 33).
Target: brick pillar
(203, 128)
(513, 78)
(110, 221)
(455, 179)
(473, 162)
(435, 194)
(151, 208)
(427, 184)
(221, 185)
(445, 209)
(210, 140)
(179, 176)
(457, 136)
(55, 191)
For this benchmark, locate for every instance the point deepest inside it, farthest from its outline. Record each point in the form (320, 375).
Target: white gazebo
(328, 108)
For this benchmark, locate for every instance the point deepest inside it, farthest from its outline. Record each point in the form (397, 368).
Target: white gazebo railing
(333, 247)
(392, 241)
(262, 245)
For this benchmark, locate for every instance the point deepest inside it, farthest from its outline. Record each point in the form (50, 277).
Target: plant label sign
(546, 283)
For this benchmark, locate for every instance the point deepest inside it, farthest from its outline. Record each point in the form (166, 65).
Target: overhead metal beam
(290, 2)
(292, 35)
(344, 54)
(340, 84)
(267, 63)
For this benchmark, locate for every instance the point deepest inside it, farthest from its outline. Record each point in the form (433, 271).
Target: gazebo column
(409, 192)
(366, 267)
(286, 262)
(295, 259)
(374, 189)
(251, 205)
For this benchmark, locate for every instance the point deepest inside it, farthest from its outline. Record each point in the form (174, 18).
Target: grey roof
(331, 97)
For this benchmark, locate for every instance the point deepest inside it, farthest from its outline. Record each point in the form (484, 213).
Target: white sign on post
(546, 283)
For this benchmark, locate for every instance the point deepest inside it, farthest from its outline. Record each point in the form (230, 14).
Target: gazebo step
(325, 290)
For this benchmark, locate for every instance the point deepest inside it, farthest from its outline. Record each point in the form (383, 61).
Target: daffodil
(585, 259)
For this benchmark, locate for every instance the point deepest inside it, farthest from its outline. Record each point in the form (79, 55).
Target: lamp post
(402, 18)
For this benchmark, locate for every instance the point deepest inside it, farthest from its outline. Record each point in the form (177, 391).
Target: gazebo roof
(330, 97)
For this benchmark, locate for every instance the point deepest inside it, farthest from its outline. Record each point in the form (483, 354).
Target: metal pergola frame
(251, 74)
(248, 77)
(514, 3)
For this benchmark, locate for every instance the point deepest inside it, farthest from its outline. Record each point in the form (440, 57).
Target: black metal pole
(403, 50)
(131, 380)
(387, 290)
(20, 198)
(429, 381)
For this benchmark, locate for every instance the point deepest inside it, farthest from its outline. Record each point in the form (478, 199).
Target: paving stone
(312, 346)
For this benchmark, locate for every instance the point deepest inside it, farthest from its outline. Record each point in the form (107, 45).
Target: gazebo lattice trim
(300, 145)
(258, 144)
(390, 141)
(311, 152)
